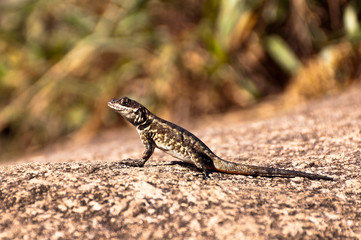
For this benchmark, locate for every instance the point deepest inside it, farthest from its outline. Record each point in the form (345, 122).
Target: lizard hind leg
(200, 164)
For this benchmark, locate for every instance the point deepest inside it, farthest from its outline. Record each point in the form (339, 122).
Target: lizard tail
(235, 168)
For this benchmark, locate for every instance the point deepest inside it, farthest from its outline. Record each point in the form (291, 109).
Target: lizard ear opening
(139, 116)
(137, 111)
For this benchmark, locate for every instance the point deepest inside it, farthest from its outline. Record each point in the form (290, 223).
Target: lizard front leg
(148, 151)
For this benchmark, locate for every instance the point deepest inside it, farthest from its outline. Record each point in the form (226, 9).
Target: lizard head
(131, 110)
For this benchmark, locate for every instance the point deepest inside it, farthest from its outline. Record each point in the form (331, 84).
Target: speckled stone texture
(82, 192)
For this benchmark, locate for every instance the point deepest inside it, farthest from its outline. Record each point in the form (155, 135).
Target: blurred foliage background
(61, 61)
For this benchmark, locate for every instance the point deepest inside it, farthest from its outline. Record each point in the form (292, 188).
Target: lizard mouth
(114, 104)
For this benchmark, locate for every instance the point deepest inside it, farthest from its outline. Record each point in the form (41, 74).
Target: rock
(67, 197)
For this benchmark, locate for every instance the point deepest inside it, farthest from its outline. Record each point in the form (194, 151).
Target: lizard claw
(206, 175)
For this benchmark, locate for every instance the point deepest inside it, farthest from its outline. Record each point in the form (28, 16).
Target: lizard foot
(206, 175)
(133, 162)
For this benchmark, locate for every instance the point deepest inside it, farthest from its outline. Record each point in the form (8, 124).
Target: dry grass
(62, 61)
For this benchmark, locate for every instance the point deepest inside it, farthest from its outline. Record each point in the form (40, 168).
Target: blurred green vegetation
(61, 61)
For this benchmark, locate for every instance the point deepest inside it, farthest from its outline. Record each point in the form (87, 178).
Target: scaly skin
(180, 143)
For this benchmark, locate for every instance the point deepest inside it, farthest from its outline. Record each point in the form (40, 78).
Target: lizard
(156, 132)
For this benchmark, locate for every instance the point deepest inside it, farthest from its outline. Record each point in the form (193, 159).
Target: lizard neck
(146, 123)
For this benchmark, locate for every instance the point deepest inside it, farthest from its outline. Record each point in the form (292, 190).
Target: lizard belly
(176, 151)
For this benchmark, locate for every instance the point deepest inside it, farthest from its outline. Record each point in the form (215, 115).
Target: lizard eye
(124, 100)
